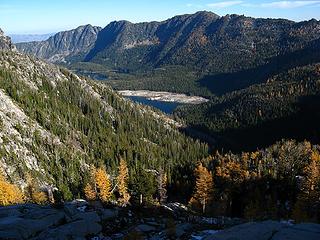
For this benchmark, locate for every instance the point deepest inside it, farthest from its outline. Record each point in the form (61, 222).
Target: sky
(49, 16)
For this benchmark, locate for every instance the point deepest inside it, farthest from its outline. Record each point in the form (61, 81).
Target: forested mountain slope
(54, 125)
(287, 106)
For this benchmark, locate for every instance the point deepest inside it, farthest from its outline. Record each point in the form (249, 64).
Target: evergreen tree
(143, 186)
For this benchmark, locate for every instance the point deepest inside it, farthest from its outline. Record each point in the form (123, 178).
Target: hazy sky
(46, 16)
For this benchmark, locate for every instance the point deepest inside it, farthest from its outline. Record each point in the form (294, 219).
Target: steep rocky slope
(54, 124)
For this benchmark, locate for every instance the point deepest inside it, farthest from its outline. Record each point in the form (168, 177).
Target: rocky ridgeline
(200, 41)
(80, 220)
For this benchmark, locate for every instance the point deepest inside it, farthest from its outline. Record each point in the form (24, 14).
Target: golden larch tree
(103, 185)
(90, 192)
(90, 189)
(307, 205)
(122, 182)
(162, 186)
(34, 193)
(9, 193)
(203, 193)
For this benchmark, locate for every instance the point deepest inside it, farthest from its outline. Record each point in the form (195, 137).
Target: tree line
(280, 182)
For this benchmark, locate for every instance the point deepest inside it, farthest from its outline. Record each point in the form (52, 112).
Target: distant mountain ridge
(202, 41)
(63, 46)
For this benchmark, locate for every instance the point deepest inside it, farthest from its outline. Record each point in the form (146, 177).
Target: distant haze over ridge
(20, 38)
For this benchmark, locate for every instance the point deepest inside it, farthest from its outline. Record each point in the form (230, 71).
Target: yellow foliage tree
(90, 192)
(9, 193)
(312, 173)
(204, 187)
(307, 202)
(122, 181)
(90, 189)
(35, 195)
(39, 197)
(162, 184)
(103, 185)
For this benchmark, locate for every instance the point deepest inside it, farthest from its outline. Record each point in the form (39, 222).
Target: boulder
(40, 212)
(79, 202)
(87, 216)
(183, 228)
(249, 231)
(309, 227)
(10, 211)
(70, 210)
(10, 235)
(145, 228)
(23, 228)
(300, 231)
(108, 214)
(74, 230)
(269, 230)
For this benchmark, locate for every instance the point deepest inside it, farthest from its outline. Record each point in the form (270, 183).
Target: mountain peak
(206, 13)
(87, 26)
(119, 23)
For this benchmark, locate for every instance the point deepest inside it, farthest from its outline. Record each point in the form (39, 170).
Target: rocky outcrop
(73, 221)
(5, 42)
